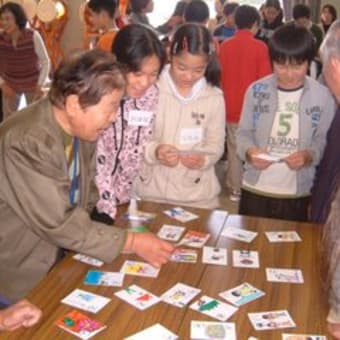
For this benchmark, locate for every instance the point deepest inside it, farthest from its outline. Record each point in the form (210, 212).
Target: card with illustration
(99, 278)
(283, 236)
(139, 269)
(242, 294)
(239, 234)
(210, 330)
(180, 294)
(246, 258)
(195, 239)
(184, 255)
(180, 214)
(214, 255)
(87, 301)
(214, 308)
(88, 260)
(80, 325)
(284, 275)
(271, 320)
(286, 336)
(138, 297)
(155, 332)
(170, 232)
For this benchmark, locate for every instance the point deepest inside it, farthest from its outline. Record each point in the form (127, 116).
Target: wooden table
(306, 302)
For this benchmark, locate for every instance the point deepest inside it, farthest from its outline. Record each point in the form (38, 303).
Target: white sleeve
(44, 60)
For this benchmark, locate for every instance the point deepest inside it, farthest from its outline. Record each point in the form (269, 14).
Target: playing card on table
(271, 320)
(214, 255)
(170, 232)
(80, 325)
(287, 336)
(99, 278)
(284, 275)
(283, 236)
(195, 239)
(210, 330)
(88, 260)
(180, 214)
(139, 269)
(180, 294)
(138, 297)
(85, 300)
(140, 215)
(242, 294)
(246, 258)
(214, 308)
(155, 332)
(184, 255)
(239, 234)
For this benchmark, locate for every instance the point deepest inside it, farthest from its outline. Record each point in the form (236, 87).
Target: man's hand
(167, 155)
(192, 161)
(257, 163)
(20, 314)
(149, 247)
(334, 329)
(298, 159)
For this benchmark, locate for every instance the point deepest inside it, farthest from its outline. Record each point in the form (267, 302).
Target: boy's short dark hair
(301, 11)
(293, 44)
(97, 6)
(230, 8)
(246, 16)
(197, 11)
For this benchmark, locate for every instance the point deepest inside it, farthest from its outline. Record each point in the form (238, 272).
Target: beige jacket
(36, 216)
(178, 123)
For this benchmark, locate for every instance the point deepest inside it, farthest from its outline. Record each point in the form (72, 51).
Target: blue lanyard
(74, 182)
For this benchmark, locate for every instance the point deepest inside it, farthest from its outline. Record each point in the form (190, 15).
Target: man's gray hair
(330, 46)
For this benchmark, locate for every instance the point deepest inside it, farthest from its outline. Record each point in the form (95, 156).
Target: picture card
(210, 330)
(286, 336)
(271, 320)
(138, 297)
(283, 236)
(155, 332)
(139, 215)
(213, 308)
(99, 278)
(80, 325)
(180, 214)
(246, 258)
(170, 232)
(180, 294)
(284, 275)
(88, 260)
(242, 294)
(194, 239)
(239, 234)
(87, 301)
(184, 255)
(139, 269)
(214, 255)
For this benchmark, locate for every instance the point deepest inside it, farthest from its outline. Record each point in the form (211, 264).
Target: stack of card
(239, 234)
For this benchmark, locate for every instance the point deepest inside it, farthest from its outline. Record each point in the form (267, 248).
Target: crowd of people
(138, 116)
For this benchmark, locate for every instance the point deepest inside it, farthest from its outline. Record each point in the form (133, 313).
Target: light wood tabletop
(306, 303)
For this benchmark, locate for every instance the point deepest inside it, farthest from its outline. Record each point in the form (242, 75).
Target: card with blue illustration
(180, 214)
(100, 278)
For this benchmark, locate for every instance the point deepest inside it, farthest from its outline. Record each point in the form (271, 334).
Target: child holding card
(286, 115)
(188, 135)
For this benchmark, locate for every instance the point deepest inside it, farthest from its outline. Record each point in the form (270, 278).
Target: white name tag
(191, 135)
(140, 118)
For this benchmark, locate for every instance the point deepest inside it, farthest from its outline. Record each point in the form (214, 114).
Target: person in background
(47, 170)
(327, 17)
(21, 314)
(327, 178)
(103, 14)
(282, 130)
(139, 9)
(121, 147)
(219, 18)
(227, 29)
(24, 61)
(243, 60)
(188, 134)
(272, 18)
